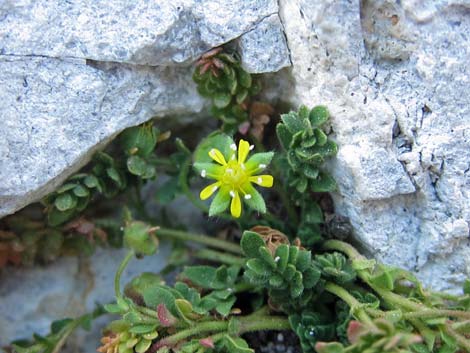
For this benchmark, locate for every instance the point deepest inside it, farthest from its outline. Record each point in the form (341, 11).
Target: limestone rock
(264, 48)
(57, 112)
(139, 32)
(77, 73)
(395, 76)
(34, 297)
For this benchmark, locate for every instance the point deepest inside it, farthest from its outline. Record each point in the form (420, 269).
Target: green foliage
(288, 273)
(138, 237)
(335, 267)
(312, 327)
(220, 77)
(60, 330)
(107, 175)
(307, 147)
(379, 337)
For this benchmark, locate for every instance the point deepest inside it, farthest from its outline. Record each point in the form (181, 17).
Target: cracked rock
(384, 64)
(77, 73)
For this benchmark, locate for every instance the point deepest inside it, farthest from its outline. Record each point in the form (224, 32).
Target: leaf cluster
(307, 147)
(288, 273)
(220, 77)
(107, 176)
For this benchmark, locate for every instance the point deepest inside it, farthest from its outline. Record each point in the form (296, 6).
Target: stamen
(260, 180)
(212, 152)
(215, 188)
(232, 193)
(262, 166)
(203, 173)
(243, 166)
(251, 147)
(276, 259)
(229, 170)
(233, 157)
(233, 146)
(247, 196)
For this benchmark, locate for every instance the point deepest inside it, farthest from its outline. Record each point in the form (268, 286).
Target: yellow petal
(209, 190)
(236, 205)
(217, 156)
(243, 150)
(262, 180)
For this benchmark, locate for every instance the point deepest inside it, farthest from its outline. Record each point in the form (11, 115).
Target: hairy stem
(356, 307)
(117, 277)
(201, 239)
(246, 324)
(217, 256)
(461, 341)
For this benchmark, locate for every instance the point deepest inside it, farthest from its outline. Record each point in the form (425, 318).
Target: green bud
(138, 236)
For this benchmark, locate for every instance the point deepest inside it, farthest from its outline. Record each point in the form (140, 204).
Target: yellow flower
(234, 176)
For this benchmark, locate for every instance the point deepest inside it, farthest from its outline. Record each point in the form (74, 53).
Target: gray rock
(56, 113)
(34, 297)
(67, 90)
(264, 48)
(140, 32)
(395, 76)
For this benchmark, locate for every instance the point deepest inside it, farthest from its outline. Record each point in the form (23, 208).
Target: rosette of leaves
(380, 337)
(307, 147)
(335, 267)
(221, 283)
(312, 327)
(288, 273)
(220, 77)
(107, 176)
(122, 338)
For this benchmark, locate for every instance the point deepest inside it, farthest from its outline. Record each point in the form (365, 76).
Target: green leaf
(139, 140)
(224, 307)
(153, 296)
(220, 202)
(304, 260)
(114, 175)
(282, 253)
(259, 267)
(81, 191)
(244, 78)
(143, 346)
(216, 140)
(221, 100)
(284, 135)
(136, 165)
(142, 328)
(250, 244)
(65, 202)
(56, 217)
(91, 181)
(320, 137)
(313, 213)
(325, 183)
(236, 345)
(66, 187)
(319, 115)
(256, 202)
(241, 96)
(293, 123)
(258, 159)
(202, 276)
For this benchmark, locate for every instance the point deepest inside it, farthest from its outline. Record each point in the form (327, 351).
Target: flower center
(234, 174)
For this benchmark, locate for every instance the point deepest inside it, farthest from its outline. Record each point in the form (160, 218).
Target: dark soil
(273, 342)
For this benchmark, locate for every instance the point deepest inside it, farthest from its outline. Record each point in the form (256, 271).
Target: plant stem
(117, 277)
(201, 239)
(259, 323)
(430, 313)
(461, 341)
(209, 326)
(356, 306)
(344, 247)
(463, 326)
(246, 324)
(217, 256)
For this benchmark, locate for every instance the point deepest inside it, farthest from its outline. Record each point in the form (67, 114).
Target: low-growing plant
(269, 274)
